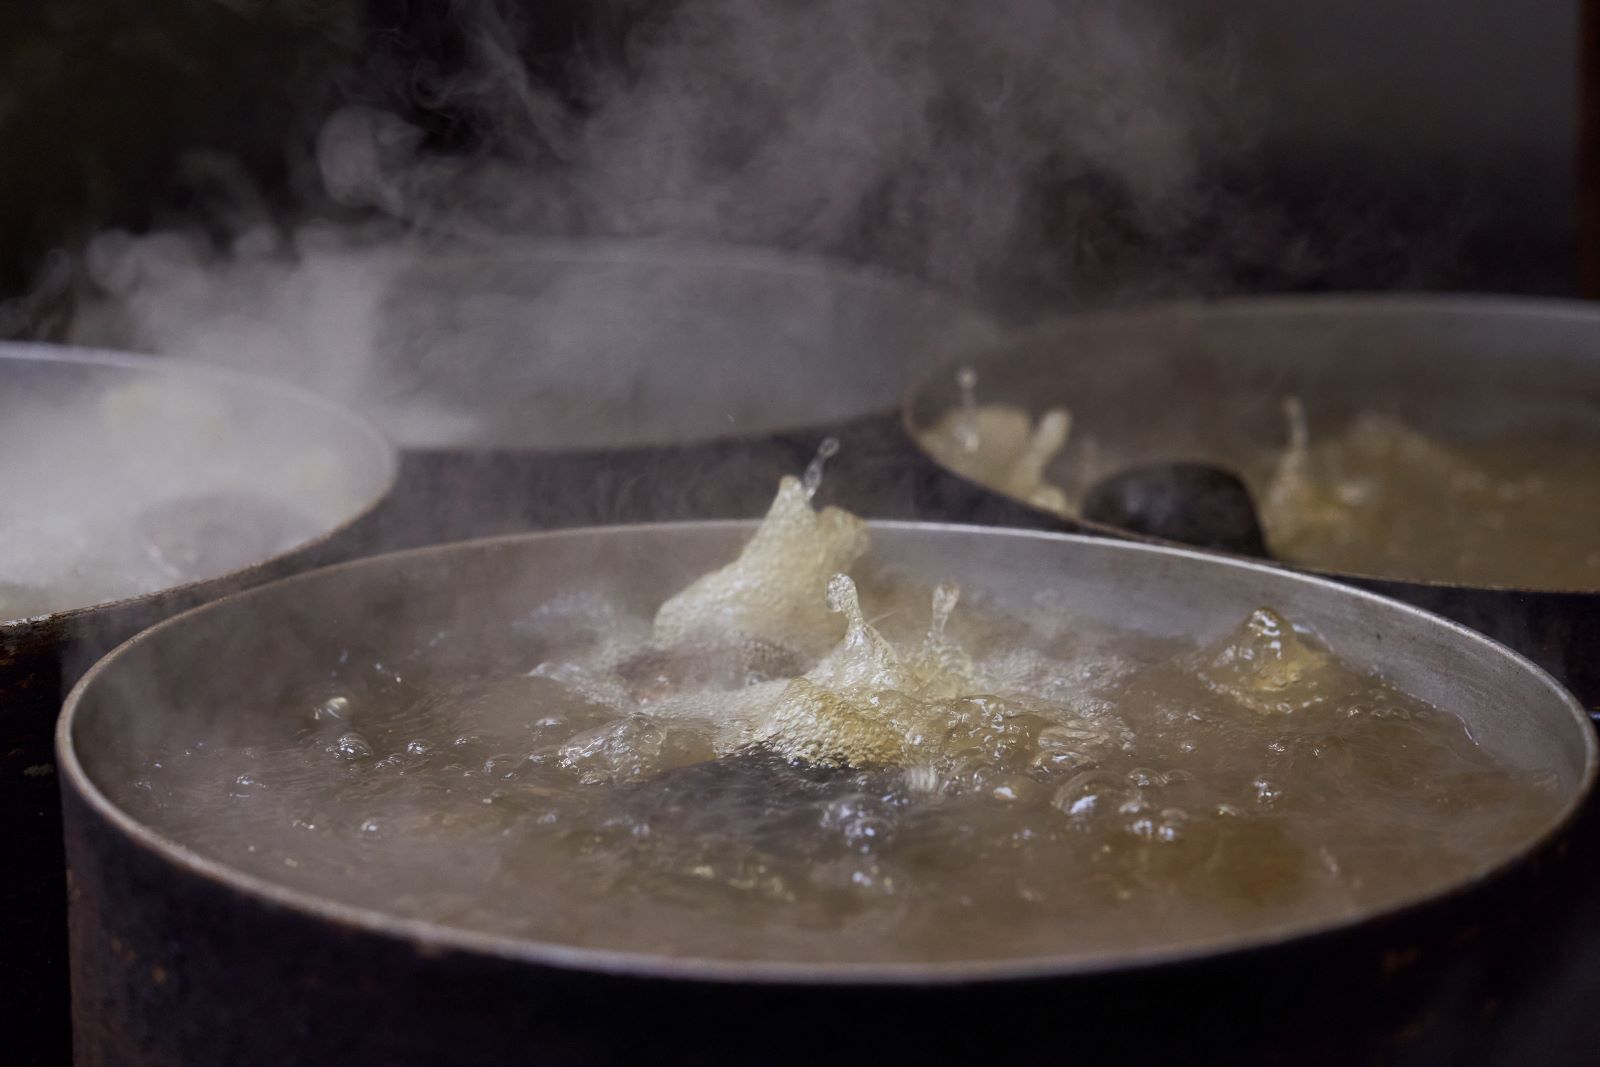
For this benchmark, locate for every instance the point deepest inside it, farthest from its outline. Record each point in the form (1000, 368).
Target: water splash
(1049, 437)
(945, 597)
(966, 423)
(811, 480)
(1294, 413)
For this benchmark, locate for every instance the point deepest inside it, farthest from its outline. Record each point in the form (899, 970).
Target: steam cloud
(923, 133)
(1026, 155)
(955, 142)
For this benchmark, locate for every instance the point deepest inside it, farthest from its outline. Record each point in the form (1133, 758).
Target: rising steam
(1023, 156)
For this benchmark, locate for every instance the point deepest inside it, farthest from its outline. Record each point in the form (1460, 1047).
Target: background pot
(41, 656)
(1206, 381)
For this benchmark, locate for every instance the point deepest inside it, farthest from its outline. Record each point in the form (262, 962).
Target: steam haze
(1022, 157)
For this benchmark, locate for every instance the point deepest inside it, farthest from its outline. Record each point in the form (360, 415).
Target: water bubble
(506, 765)
(419, 747)
(1173, 825)
(1096, 794)
(1014, 789)
(863, 821)
(244, 785)
(351, 746)
(335, 708)
(1067, 747)
(1268, 792)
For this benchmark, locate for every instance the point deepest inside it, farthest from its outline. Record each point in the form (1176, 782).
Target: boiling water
(739, 778)
(1381, 498)
(147, 484)
(1377, 498)
(1002, 446)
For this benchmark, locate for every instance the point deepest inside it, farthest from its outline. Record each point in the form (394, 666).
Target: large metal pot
(178, 959)
(1205, 382)
(569, 382)
(42, 655)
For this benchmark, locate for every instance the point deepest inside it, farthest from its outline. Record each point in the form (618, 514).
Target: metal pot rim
(439, 939)
(453, 251)
(1248, 308)
(40, 352)
(670, 251)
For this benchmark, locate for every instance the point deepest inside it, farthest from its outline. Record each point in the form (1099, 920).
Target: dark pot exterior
(173, 968)
(40, 660)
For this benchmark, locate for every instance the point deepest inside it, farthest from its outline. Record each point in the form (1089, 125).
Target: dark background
(1443, 128)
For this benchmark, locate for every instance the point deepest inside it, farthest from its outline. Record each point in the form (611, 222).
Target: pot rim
(448, 250)
(1270, 306)
(238, 381)
(437, 938)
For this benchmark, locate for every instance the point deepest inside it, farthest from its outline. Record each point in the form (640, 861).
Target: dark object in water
(1196, 504)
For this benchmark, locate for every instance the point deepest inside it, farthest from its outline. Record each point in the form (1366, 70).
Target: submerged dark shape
(1196, 504)
(769, 787)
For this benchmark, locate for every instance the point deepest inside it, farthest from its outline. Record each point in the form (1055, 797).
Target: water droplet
(945, 596)
(965, 427)
(811, 480)
(967, 382)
